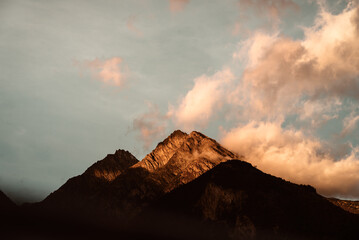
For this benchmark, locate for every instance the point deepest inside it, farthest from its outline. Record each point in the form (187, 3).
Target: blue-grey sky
(80, 79)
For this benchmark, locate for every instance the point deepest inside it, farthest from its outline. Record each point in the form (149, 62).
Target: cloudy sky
(275, 81)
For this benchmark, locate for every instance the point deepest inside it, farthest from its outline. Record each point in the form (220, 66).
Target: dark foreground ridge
(5, 203)
(188, 187)
(237, 201)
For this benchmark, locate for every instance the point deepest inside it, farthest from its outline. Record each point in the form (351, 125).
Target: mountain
(234, 200)
(6, 204)
(181, 158)
(177, 160)
(119, 186)
(81, 192)
(188, 187)
(350, 206)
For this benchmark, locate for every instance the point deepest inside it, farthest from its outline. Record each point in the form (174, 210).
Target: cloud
(270, 11)
(287, 91)
(292, 156)
(199, 104)
(131, 26)
(282, 74)
(110, 71)
(178, 5)
(150, 125)
(319, 113)
(281, 71)
(349, 124)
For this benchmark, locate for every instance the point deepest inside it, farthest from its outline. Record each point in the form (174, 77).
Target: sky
(274, 81)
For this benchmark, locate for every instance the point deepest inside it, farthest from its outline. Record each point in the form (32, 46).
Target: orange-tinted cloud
(178, 5)
(199, 104)
(292, 156)
(281, 70)
(150, 125)
(268, 10)
(310, 79)
(110, 71)
(131, 26)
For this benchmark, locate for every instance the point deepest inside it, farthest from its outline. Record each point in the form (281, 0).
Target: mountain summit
(121, 186)
(112, 165)
(177, 160)
(163, 152)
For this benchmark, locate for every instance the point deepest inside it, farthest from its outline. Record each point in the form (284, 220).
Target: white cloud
(199, 104)
(292, 156)
(310, 78)
(282, 71)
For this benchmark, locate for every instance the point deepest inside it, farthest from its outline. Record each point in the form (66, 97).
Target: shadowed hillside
(237, 201)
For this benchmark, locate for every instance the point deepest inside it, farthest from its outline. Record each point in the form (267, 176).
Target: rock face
(163, 152)
(350, 206)
(177, 160)
(234, 200)
(195, 156)
(120, 186)
(112, 165)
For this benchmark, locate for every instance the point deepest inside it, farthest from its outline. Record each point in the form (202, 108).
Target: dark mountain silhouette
(6, 204)
(237, 201)
(188, 187)
(80, 193)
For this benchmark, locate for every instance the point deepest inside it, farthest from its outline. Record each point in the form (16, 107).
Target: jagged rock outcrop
(195, 156)
(234, 200)
(163, 152)
(347, 205)
(112, 165)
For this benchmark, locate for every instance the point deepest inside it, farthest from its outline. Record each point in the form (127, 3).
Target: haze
(275, 81)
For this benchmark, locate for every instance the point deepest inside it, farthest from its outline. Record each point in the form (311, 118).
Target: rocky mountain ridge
(120, 186)
(188, 187)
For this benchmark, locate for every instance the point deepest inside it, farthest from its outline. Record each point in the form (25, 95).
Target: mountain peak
(181, 143)
(197, 154)
(163, 152)
(112, 165)
(197, 134)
